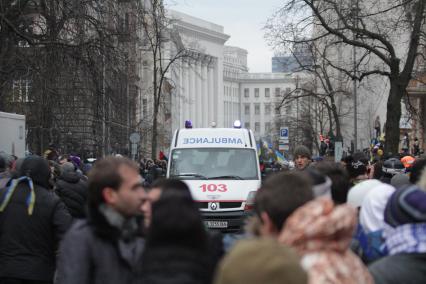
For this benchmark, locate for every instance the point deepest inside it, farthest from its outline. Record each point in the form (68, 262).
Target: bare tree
(164, 48)
(386, 34)
(324, 86)
(72, 54)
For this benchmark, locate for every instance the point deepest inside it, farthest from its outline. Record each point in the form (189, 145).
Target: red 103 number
(214, 187)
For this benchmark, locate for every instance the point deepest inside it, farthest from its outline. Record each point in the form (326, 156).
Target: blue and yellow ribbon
(11, 189)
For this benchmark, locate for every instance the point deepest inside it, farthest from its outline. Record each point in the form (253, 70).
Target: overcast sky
(243, 20)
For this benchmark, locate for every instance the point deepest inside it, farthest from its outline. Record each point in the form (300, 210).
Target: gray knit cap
(303, 151)
(67, 168)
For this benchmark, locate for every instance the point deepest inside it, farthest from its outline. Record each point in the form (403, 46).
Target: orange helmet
(407, 161)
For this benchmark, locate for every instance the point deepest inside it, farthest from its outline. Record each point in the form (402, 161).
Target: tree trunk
(154, 134)
(330, 121)
(336, 120)
(393, 116)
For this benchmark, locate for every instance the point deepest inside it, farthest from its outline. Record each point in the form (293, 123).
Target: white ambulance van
(221, 168)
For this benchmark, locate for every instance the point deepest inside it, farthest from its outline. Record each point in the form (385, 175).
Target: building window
(247, 125)
(267, 127)
(256, 92)
(267, 93)
(267, 109)
(247, 109)
(21, 90)
(257, 127)
(246, 93)
(257, 109)
(277, 92)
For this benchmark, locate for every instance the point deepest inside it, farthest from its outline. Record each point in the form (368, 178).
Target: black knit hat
(406, 206)
(356, 168)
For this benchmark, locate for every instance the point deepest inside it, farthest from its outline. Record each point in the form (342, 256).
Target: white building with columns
(212, 84)
(198, 79)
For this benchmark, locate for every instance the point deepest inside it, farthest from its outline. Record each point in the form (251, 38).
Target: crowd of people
(68, 221)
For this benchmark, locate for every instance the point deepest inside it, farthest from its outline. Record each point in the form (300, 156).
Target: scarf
(128, 227)
(11, 189)
(408, 238)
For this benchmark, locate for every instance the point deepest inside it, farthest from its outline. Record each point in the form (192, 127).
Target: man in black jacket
(32, 222)
(72, 189)
(107, 247)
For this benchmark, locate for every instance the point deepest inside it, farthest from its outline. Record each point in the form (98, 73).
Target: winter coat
(93, 252)
(321, 234)
(4, 178)
(73, 191)
(174, 264)
(28, 243)
(368, 246)
(170, 264)
(400, 268)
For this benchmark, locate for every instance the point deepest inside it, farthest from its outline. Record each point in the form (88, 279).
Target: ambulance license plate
(216, 224)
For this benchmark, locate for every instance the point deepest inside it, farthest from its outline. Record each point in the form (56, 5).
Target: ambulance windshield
(214, 163)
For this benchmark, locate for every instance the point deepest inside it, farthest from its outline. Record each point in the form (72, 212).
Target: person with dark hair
(177, 248)
(377, 170)
(416, 147)
(174, 186)
(32, 222)
(416, 170)
(107, 247)
(405, 143)
(321, 184)
(4, 173)
(357, 168)
(72, 189)
(278, 197)
(154, 193)
(339, 180)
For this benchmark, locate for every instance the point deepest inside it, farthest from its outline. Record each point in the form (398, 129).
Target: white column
(216, 94)
(205, 96)
(198, 98)
(219, 97)
(193, 91)
(210, 94)
(182, 93)
(187, 97)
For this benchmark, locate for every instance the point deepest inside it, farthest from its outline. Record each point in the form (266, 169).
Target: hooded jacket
(73, 192)
(321, 234)
(29, 238)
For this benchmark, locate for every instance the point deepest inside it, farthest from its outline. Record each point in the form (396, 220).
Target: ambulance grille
(203, 205)
(228, 205)
(222, 205)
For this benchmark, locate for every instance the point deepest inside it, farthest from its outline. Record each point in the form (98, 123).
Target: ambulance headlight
(250, 201)
(237, 124)
(188, 124)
